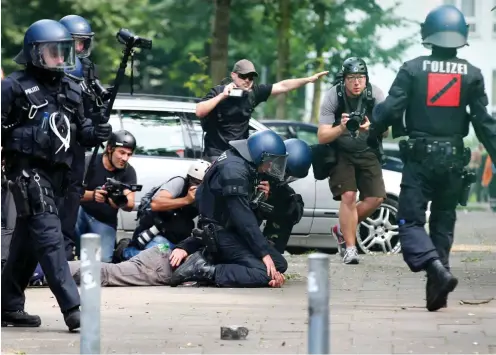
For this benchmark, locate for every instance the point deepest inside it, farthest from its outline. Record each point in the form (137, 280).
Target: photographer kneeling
(166, 214)
(102, 198)
(344, 122)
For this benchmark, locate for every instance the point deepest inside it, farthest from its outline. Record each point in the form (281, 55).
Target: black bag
(323, 159)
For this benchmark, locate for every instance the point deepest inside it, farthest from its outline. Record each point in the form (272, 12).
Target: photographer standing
(344, 121)
(98, 212)
(226, 110)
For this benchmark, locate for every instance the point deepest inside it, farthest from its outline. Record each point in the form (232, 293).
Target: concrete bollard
(318, 304)
(90, 293)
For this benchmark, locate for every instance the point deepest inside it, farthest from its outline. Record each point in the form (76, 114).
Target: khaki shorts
(352, 172)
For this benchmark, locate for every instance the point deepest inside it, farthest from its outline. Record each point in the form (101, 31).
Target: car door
(305, 187)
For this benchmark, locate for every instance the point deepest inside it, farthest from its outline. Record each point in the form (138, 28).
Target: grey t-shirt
(174, 186)
(329, 108)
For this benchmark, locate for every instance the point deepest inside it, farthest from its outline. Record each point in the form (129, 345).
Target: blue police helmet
(299, 158)
(80, 30)
(76, 74)
(266, 150)
(444, 27)
(48, 45)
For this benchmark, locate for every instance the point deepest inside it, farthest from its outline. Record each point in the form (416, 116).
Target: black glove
(103, 131)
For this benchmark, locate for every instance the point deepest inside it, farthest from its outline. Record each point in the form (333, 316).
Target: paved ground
(376, 307)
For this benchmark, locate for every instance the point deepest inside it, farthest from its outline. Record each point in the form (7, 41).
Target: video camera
(115, 191)
(130, 40)
(355, 119)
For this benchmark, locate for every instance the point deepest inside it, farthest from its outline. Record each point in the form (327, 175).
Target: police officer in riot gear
(42, 116)
(287, 204)
(435, 91)
(243, 256)
(93, 103)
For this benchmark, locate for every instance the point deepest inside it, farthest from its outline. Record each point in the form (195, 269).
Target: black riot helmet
(354, 65)
(122, 139)
(444, 27)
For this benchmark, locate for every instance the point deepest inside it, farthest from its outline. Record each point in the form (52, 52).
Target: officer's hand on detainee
(265, 187)
(271, 268)
(227, 90)
(278, 281)
(100, 196)
(177, 256)
(365, 126)
(191, 194)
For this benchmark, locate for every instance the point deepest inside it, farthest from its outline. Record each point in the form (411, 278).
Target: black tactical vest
(34, 116)
(365, 105)
(438, 96)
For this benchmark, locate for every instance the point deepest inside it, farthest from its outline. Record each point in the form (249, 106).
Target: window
(309, 136)
(165, 134)
(494, 18)
(449, 2)
(469, 10)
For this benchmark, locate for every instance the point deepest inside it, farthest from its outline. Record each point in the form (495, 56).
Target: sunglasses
(248, 76)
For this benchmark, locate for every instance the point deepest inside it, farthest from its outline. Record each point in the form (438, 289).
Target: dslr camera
(355, 119)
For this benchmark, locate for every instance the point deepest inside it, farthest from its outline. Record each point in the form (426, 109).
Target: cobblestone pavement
(376, 307)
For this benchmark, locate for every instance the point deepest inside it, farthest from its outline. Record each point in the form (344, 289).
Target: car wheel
(379, 232)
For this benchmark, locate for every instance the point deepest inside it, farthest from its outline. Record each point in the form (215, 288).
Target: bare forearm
(205, 107)
(291, 84)
(330, 134)
(88, 196)
(161, 204)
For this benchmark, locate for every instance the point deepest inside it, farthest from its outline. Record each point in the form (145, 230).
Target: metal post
(318, 304)
(90, 293)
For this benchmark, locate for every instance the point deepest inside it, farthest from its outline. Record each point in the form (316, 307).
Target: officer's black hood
(241, 146)
(20, 59)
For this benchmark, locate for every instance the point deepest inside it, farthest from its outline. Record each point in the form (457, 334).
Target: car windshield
(161, 133)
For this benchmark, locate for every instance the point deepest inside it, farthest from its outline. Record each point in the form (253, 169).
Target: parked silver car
(169, 137)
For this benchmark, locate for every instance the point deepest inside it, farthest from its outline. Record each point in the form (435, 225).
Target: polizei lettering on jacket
(435, 66)
(32, 90)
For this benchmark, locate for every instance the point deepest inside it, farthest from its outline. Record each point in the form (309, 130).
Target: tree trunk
(220, 39)
(283, 53)
(319, 66)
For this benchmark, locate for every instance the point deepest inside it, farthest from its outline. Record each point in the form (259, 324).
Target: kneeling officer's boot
(195, 268)
(441, 282)
(20, 319)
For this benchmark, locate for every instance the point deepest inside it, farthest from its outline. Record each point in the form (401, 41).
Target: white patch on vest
(32, 90)
(435, 66)
(222, 156)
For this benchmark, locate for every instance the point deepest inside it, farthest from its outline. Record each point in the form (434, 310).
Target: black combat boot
(72, 318)
(195, 268)
(20, 319)
(428, 288)
(440, 283)
(118, 257)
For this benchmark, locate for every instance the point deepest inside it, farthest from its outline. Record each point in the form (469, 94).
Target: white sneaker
(351, 256)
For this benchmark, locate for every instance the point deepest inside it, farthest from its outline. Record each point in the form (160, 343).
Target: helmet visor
(83, 45)
(273, 165)
(56, 56)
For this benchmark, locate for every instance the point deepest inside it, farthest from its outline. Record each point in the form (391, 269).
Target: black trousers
(423, 182)
(38, 238)
(239, 267)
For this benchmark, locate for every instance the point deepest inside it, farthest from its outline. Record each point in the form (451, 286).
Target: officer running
(42, 114)
(435, 91)
(243, 256)
(287, 204)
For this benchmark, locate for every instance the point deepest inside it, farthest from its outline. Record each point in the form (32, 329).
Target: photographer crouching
(226, 110)
(166, 214)
(344, 122)
(111, 187)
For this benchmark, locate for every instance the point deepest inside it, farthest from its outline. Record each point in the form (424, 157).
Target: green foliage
(321, 35)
